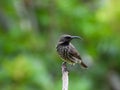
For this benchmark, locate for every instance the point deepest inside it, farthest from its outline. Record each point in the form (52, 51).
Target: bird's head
(65, 39)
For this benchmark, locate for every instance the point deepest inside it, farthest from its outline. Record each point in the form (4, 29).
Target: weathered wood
(65, 78)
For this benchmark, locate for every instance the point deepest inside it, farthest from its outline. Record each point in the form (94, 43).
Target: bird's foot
(64, 67)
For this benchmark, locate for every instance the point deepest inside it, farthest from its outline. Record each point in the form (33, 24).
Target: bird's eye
(67, 37)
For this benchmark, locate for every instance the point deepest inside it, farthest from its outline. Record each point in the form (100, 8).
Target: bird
(68, 52)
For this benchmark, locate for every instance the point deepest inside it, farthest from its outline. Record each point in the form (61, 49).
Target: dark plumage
(67, 51)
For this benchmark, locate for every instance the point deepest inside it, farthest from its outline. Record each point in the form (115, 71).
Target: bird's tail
(84, 65)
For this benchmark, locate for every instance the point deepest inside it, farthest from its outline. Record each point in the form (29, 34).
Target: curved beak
(77, 37)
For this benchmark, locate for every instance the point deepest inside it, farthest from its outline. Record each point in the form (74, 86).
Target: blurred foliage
(29, 31)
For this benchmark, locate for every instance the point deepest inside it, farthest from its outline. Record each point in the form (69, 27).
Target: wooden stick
(65, 78)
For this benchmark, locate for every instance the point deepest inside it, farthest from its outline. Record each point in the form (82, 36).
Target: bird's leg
(72, 64)
(64, 67)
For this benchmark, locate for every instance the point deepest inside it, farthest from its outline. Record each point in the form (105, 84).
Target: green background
(29, 31)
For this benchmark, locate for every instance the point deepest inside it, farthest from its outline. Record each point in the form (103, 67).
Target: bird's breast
(64, 52)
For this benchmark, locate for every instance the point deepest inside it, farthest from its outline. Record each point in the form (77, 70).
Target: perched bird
(68, 52)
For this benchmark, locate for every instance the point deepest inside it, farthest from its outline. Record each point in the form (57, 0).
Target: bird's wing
(74, 52)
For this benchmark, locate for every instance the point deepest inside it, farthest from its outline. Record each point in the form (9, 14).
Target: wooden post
(65, 78)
